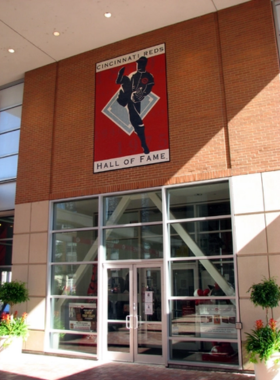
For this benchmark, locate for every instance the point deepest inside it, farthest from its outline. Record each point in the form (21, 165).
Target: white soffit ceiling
(27, 26)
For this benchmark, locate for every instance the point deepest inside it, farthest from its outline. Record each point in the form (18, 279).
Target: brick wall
(36, 137)
(251, 74)
(223, 97)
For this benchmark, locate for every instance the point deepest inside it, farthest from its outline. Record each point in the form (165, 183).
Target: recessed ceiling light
(107, 14)
(11, 50)
(56, 33)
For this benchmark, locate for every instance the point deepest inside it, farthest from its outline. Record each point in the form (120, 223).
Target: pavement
(48, 367)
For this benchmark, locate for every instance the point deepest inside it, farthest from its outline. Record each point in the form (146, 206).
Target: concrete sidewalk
(47, 367)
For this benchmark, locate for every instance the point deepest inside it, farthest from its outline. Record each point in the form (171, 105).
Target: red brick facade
(223, 105)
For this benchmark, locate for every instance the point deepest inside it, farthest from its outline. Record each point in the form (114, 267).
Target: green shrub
(13, 292)
(264, 339)
(265, 294)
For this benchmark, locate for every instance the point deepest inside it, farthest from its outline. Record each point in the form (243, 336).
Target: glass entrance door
(134, 313)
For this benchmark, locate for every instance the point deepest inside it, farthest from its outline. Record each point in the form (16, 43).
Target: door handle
(128, 322)
(137, 320)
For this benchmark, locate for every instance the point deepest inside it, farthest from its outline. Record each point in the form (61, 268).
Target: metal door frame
(132, 356)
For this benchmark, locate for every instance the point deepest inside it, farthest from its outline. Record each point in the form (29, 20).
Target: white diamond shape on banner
(119, 115)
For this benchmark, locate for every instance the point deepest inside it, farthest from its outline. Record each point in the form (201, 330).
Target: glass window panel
(203, 278)
(9, 143)
(134, 243)
(149, 279)
(219, 243)
(118, 337)
(204, 352)
(149, 338)
(10, 119)
(182, 212)
(187, 240)
(78, 280)
(118, 293)
(75, 246)
(213, 209)
(80, 343)
(133, 208)
(6, 244)
(7, 194)
(11, 96)
(182, 197)
(75, 315)
(6, 252)
(278, 17)
(5, 276)
(215, 225)
(8, 167)
(6, 227)
(75, 214)
(203, 319)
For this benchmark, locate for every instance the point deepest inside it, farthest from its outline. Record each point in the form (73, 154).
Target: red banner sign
(131, 118)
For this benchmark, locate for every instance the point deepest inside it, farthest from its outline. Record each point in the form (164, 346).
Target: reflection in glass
(149, 294)
(204, 277)
(203, 319)
(6, 240)
(182, 212)
(134, 243)
(7, 194)
(77, 315)
(118, 337)
(9, 143)
(212, 352)
(149, 337)
(118, 309)
(133, 208)
(10, 119)
(6, 227)
(78, 280)
(11, 95)
(149, 313)
(5, 257)
(75, 246)
(214, 225)
(6, 245)
(118, 293)
(75, 214)
(212, 238)
(199, 201)
(74, 342)
(5, 276)
(8, 167)
(213, 209)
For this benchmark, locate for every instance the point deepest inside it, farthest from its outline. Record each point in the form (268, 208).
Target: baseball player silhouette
(134, 88)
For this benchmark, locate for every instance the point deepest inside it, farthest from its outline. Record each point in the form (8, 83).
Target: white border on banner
(124, 59)
(132, 161)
